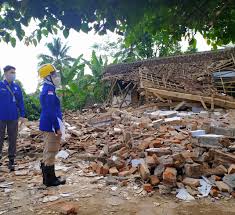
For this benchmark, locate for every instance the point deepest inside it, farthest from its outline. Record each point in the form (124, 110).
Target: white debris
(184, 195)
(50, 199)
(197, 133)
(62, 154)
(205, 186)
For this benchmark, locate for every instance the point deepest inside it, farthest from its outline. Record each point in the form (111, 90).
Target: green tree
(85, 89)
(214, 19)
(32, 104)
(59, 58)
(58, 54)
(191, 49)
(97, 65)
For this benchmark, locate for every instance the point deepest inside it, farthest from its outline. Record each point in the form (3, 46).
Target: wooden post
(128, 89)
(212, 103)
(111, 91)
(203, 103)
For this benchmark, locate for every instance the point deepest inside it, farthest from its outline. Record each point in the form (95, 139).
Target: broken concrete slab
(230, 180)
(197, 133)
(223, 187)
(154, 180)
(211, 141)
(193, 170)
(231, 169)
(221, 157)
(144, 171)
(159, 151)
(169, 176)
(159, 170)
(192, 182)
(229, 132)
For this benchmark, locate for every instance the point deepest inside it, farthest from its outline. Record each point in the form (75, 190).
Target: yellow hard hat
(46, 70)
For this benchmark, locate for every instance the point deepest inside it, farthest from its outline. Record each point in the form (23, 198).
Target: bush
(32, 107)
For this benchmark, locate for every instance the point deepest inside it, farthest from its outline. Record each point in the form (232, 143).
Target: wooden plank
(179, 105)
(212, 103)
(159, 97)
(233, 59)
(222, 84)
(192, 97)
(203, 104)
(111, 90)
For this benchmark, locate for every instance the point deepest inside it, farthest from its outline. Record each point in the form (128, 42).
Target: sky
(24, 58)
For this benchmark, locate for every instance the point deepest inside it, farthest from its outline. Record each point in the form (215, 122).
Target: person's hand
(58, 133)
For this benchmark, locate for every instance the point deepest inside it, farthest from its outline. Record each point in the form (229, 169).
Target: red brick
(121, 151)
(216, 178)
(156, 143)
(133, 170)
(192, 182)
(93, 166)
(124, 183)
(154, 180)
(222, 186)
(125, 155)
(100, 169)
(231, 169)
(105, 170)
(126, 168)
(214, 192)
(178, 159)
(193, 170)
(67, 208)
(155, 157)
(142, 146)
(113, 171)
(150, 161)
(148, 188)
(144, 171)
(169, 176)
(133, 155)
(124, 173)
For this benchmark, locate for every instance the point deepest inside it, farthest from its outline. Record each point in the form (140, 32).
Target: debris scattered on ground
(189, 155)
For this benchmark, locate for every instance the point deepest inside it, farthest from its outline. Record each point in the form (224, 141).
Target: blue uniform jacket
(51, 110)
(10, 108)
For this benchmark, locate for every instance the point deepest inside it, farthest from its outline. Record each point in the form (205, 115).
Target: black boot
(50, 179)
(43, 172)
(11, 165)
(61, 180)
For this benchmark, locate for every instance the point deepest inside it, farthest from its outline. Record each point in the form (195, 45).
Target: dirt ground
(91, 195)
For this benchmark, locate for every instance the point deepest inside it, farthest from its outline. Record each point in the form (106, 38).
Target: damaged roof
(210, 56)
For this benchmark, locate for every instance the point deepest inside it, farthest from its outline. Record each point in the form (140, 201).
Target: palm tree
(58, 54)
(59, 58)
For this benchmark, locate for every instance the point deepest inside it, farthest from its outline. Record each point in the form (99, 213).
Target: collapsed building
(205, 77)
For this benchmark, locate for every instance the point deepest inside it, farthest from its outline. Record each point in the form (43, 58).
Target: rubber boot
(50, 178)
(62, 181)
(11, 165)
(43, 172)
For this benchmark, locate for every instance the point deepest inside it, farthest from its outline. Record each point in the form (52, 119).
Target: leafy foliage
(58, 54)
(214, 19)
(32, 104)
(84, 89)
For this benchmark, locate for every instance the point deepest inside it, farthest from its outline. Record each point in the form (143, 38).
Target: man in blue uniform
(50, 120)
(11, 109)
